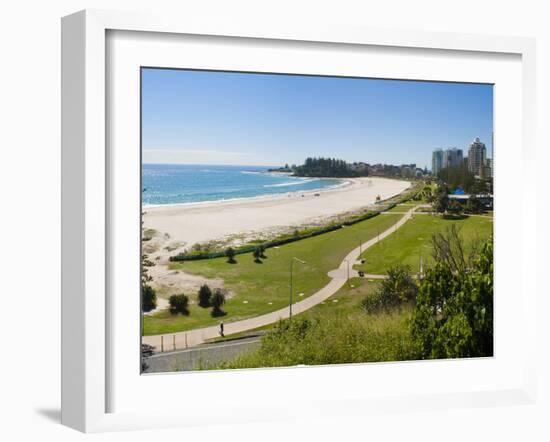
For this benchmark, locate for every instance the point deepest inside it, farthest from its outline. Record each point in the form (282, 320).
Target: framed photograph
(252, 214)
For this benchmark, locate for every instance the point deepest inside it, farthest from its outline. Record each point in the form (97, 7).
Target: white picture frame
(86, 317)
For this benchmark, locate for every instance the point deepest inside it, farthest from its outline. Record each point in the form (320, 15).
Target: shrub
(453, 315)
(454, 207)
(397, 289)
(339, 339)
(148, 298)
(474, 205)
(257, 253)
(441, 200)
(217, 302)
(179, 304)
(205, 295)
(230, 253)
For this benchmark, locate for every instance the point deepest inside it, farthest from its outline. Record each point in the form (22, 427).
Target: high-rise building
(477, 157)
(452, 157)
(437, 161)
(488, 169)
(442, 159)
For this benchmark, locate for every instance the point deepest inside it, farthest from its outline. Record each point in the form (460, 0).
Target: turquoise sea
(184, 183)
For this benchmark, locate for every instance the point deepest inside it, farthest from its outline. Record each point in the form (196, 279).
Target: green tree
(399, 287)
(474, 205)
(148, 294)
(257, 253)
(454, 207)
(453, 314)
(217, 302)
(441, 200)
(205, 295)
(230, 253)
(148, 298)
(179, 304)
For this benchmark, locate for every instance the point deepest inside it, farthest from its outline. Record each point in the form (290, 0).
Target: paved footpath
(191, 338)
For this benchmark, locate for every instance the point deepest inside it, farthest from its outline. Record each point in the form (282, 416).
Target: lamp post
(290, 300)
(347, 262)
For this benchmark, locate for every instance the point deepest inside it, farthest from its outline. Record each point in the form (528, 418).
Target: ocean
(185, 183)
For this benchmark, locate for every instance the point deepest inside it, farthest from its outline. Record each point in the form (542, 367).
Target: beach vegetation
(148, 298)
(179, 304)
(204, 296)
(148, 293)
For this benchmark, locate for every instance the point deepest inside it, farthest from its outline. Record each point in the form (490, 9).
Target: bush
(397, 289)
(179, 304)
(148, 298)
(230, 253)
(339, 339)
(454, 207)
(257, 253)
(205, 295)
(453, 315)
(474, 205)
(280, 241)
(217, 302)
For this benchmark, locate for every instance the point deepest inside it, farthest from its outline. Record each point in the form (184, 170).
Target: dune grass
(261, 288)
(413, 240)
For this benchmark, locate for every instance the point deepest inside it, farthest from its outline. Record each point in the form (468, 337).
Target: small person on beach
(221, 330)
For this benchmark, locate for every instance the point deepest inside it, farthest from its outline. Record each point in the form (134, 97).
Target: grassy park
(413, 240)
(261, 288)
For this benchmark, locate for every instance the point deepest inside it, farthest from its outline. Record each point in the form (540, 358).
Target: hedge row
(276, 242)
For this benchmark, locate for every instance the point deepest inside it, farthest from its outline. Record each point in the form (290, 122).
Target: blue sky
(261, 119)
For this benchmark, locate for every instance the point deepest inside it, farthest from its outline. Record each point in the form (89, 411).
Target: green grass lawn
(414, 239)
(261, 288)
(344, 302)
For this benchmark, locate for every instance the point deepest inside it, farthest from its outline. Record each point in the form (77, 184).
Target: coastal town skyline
(200, 117)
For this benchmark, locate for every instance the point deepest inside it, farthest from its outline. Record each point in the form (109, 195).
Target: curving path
(180, 340)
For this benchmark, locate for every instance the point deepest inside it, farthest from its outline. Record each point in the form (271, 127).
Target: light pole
(347, 262)
(290, 300)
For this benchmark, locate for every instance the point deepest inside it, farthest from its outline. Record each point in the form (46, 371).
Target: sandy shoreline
(185, 225)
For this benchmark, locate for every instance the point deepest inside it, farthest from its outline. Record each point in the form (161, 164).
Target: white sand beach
(188, 224)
